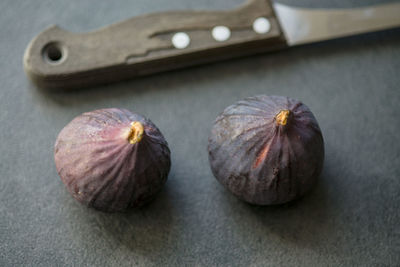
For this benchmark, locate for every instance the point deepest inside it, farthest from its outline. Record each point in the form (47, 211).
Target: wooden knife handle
(150, 43)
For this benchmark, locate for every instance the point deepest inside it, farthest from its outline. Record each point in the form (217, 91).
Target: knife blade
(152, 43)
(303, 25)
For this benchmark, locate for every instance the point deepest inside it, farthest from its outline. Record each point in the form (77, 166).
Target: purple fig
(112, 159)
(266, 149)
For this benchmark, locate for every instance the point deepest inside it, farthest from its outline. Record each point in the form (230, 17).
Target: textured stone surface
(350, 218)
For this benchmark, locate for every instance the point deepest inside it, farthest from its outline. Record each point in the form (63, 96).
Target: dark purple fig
(112, 159)
(266, 149)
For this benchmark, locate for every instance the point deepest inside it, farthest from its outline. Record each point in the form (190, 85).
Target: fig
(266, 149)
(112, 159)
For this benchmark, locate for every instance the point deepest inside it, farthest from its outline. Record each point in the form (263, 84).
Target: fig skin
(112, 159)
(266, 150)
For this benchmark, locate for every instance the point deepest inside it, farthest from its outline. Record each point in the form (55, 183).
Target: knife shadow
(205, 75)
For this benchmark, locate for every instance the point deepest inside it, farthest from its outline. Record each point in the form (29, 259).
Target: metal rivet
(181, 40)
(261, 25)
(221, 33)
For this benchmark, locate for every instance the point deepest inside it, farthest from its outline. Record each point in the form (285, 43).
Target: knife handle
(151, 43)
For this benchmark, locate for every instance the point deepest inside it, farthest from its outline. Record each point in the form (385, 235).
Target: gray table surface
(351, 218)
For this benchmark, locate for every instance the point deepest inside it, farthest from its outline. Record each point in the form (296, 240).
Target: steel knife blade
(302, 25)
(157, 42)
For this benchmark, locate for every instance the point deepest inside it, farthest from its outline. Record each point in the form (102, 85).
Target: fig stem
(282, 117)
(136, 132)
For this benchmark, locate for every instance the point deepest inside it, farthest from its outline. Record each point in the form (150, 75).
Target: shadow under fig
(147, 231)
(305, 222)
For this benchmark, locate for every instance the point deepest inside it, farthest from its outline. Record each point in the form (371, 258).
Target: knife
(170, 40)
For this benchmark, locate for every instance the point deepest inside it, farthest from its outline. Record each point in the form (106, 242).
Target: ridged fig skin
(102, 169)
(263, 162)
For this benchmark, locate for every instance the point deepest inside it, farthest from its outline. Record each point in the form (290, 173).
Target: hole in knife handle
(54, 53)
